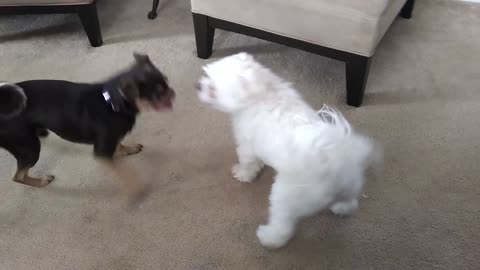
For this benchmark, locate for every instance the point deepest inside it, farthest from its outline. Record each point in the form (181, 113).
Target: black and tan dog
(99, 114)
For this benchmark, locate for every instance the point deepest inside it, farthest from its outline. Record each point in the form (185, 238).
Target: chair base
(87, 13)
(407, 9)
(153, 13)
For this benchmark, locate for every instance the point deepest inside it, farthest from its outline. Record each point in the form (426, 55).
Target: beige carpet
(422, 103)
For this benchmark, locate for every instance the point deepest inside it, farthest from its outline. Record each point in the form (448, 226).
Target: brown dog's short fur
(99, 114)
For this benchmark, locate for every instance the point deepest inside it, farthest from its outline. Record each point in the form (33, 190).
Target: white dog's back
(293, 137)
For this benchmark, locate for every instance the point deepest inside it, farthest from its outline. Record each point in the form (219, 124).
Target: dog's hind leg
(290, 201)
(22, 177)
(26, 149)
(347, 202)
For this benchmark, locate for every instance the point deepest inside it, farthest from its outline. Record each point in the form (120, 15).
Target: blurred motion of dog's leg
(134, 187)
(105, 149)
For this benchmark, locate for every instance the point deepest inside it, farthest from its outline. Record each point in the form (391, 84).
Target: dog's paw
(34, 181)
(134, 149)
(344, 208)
(243, 174)
(45, 180)
(127, 150)
(272, 237)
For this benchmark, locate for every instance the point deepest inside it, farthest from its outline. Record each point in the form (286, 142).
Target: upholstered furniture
(346, 30)
(86, 10)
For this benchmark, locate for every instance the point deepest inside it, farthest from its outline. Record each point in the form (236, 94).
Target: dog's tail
(358, 147)
(12, 100)
(331, 116)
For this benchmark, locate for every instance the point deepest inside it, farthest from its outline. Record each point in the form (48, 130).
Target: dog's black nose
(198, 86)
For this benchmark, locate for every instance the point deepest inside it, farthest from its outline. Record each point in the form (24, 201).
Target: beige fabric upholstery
(43, 2)
(349, 25)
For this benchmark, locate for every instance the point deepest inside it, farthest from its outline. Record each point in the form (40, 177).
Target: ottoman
(346, 30)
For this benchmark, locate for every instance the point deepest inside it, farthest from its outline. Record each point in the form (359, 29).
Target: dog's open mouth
(162, 105)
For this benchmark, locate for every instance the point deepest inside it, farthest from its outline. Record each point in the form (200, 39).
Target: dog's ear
(141, 58)
(129, 89)
(144, 62)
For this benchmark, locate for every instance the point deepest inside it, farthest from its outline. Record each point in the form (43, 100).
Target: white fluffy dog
(320, 162)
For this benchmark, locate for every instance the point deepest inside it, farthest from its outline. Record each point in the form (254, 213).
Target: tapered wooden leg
(89, 17)
(153, 14)
(204, 34)
(357, 74)
(407, 9)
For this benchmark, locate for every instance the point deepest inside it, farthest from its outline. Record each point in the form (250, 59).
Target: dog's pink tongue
(168, 105)
(164, 106)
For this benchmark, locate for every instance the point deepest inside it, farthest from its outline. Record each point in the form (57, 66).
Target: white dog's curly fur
(320, 161)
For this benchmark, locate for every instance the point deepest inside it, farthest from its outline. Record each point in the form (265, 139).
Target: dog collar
(108, 99)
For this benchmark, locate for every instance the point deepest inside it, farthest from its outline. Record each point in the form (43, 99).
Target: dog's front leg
(104, 150)
(248, 166)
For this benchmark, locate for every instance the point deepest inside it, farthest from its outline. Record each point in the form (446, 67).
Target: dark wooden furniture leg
(204, 33)
(356, 74)
(407, 9)
(87, 13)
(89, 17)
(153, 14)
